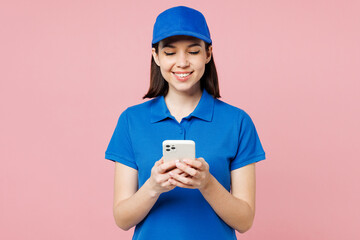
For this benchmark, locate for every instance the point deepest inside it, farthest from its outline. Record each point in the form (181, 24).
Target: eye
(193, 53)
(168, 54)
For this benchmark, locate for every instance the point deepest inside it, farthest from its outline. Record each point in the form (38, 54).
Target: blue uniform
(224, 136)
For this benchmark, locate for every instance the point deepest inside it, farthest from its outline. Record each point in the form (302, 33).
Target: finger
(184, 180)
(166, 166)
(179, 184)
(157, 163)
(177, 171)
(167, 184)
(180, 172)
(184, 174)
(195, 163)
(186, 168)
(161, 178)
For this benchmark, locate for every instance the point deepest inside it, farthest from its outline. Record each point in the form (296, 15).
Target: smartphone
(178, 149)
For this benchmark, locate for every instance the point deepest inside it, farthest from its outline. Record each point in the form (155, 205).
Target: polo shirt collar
(204, 110)
(159, 110)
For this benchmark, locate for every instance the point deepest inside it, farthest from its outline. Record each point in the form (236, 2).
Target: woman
(187, 199)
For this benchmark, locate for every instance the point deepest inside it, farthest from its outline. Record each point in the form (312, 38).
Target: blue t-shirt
(224, 136)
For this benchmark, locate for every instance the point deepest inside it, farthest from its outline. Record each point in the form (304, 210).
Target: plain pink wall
(69, 68)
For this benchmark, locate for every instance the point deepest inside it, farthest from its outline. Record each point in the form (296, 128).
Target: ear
(155, 56)
(208, 54)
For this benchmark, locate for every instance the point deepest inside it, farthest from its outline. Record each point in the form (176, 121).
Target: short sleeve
(120, 147)
(250, 149)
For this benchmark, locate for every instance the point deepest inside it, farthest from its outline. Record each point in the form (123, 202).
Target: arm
(237, 208)
(131, 205)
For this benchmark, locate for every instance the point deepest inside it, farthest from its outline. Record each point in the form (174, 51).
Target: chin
(187, 89)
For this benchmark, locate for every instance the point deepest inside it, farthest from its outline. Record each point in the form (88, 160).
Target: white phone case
(178, 149)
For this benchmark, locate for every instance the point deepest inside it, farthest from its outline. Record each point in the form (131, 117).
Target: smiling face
(182, 62)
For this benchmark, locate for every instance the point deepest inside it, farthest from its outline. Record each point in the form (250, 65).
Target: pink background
(69, 68)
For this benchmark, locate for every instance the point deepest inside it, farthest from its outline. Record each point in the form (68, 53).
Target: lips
(182, 76)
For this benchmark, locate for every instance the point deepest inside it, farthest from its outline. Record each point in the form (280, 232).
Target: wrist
(208, 184)
(150, 189)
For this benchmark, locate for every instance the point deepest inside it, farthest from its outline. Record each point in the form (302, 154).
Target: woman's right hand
(159, 178)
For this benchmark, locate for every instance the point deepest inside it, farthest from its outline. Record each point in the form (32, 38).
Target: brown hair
(160, 87)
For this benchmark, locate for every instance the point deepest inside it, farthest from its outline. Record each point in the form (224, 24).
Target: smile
(182, 75)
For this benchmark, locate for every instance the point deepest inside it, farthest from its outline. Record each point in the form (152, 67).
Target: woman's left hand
(197, 174)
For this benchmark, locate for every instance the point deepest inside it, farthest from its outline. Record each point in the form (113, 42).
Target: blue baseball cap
(181, 20)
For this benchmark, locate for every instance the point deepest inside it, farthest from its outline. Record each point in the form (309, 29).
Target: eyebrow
(172, 46)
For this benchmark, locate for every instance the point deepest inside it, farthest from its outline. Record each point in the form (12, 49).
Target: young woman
(208, 197)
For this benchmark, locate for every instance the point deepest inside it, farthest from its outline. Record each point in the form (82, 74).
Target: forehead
(176, 39)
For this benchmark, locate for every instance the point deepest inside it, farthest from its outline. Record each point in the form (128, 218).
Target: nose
(182, 60)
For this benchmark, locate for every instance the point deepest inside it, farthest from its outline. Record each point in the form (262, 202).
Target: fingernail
(177, 160)
(185, 160)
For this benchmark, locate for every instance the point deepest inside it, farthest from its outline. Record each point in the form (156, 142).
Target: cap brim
(178, 33)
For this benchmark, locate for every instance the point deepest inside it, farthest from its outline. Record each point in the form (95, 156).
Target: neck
(181, 104)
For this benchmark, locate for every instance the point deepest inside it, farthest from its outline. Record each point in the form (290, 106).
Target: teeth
(182, 75)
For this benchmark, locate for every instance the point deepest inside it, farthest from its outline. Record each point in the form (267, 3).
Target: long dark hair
(160, 87)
